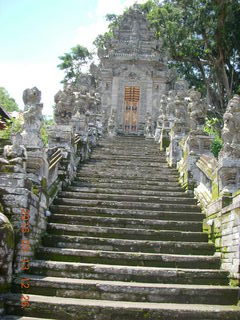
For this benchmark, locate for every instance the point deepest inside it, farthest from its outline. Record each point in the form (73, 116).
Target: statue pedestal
(193, 146)
(228, 174)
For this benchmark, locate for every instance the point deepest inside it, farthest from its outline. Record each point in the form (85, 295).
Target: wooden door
(131, 105)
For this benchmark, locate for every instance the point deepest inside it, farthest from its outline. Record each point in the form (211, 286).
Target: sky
(34, 33)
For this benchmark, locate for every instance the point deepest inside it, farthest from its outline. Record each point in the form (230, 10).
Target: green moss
(35, 190)
(234, 282)
(215, 191)
(235, 194)
(226, 200)
(5, 287)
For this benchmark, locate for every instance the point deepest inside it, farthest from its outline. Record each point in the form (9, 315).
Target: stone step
(128, 175)
(86, 309)
(128, 273)
(135, 154)
(128, 258)
(93, 166)
(131, 173)
(128, 213)
(127, 191)
(160, 206)
(129, 291)
(125, 197)
(117, 183)
(98, 156)
(111, 244)
(125, 233)
(12, 317)
(122, 160)
(127, 223)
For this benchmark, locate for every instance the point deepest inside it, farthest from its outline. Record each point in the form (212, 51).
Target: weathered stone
(33, 119)
(6, 252)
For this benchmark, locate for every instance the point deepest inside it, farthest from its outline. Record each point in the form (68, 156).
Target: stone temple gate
(134, 74)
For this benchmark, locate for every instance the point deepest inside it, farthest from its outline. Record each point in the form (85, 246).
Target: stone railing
(215, 183)
(31, 175)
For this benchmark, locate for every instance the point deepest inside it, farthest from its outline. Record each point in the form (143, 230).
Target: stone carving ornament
(112, 124)
(231, 129)
(197, 112)
(65, 105)
(16, 153)
(148, 126)
(33, 119)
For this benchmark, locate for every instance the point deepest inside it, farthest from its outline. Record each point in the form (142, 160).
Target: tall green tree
(72, 63)
(202, 38)
(7, 102)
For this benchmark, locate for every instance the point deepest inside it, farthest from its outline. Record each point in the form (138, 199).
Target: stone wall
(223, 225)
(215, 182)
(31, 174)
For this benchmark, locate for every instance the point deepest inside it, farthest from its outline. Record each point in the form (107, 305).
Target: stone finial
(148, 126)
(31, 97)
(231, 129)
(197, 112)
(170, 108)
(112, 123)
(65, 105)
(33, 118)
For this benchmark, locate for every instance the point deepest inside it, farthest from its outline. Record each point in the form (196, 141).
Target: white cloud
(16, 77)
(86, 34)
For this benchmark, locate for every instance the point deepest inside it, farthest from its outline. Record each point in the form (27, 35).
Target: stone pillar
(178, 131)
(195, 144)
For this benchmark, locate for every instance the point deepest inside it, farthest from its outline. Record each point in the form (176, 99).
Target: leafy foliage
(72, 63)
(202, 38)
(12, 126)
(213, 128)
(7, 102)
(44, 133)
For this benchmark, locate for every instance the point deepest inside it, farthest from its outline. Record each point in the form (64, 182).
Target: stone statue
(148, 126)
(180, 108)
(65, 105)
(16, 153)
(112, 124)
(231, 129)
(160, 119)
(33, 119)
(197, 112)
(170, 107)
(31, 97)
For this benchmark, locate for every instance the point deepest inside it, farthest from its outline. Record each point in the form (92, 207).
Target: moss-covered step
(12, 317)
(128, 258)
(130, 291)
(86, 309)
(133, 175)
(99, 156)
(125, 233)
(126, 245)
(127, 223)
(121, 163)
(127, 197)
(117, 184)
(128, 213)
(160, 206)
(128, 191)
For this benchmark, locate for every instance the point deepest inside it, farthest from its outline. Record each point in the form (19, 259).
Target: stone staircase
(126, 242)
